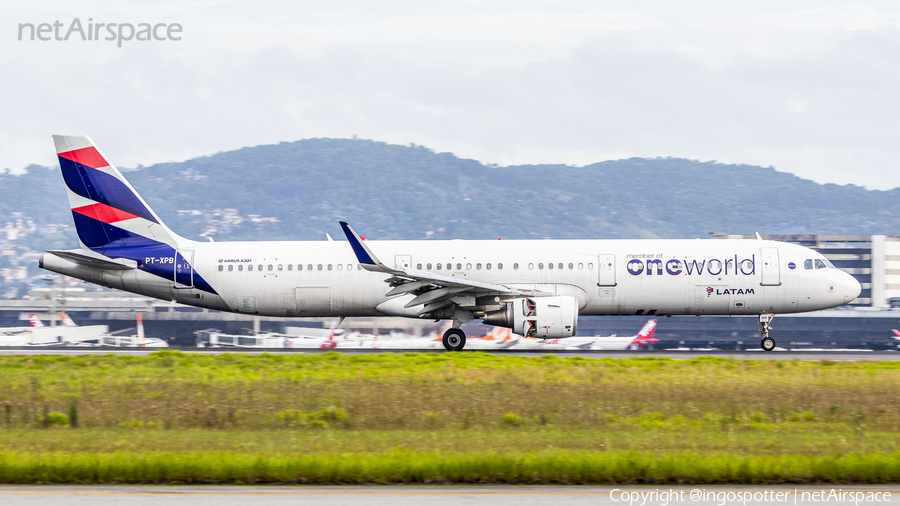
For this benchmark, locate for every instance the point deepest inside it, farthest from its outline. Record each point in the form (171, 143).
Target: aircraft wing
(433, 291)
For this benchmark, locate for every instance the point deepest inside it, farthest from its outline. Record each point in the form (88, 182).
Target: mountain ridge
(389, 191)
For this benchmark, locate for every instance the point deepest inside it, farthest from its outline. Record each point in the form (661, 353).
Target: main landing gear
(454, 340)
(767, 343)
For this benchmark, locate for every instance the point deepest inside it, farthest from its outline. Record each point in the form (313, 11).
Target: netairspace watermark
(722, 498)
(90, 31)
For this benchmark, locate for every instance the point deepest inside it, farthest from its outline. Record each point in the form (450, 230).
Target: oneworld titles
(90, 31)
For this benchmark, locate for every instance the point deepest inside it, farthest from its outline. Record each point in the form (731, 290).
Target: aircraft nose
(852, 288)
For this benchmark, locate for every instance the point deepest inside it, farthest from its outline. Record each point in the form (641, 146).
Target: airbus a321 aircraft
(536, 288)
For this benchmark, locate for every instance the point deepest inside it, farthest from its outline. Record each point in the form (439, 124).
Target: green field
(445, 417)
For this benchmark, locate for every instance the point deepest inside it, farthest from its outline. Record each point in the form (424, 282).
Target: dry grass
(449, 391)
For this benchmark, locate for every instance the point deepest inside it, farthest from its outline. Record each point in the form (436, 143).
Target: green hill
(410, 192)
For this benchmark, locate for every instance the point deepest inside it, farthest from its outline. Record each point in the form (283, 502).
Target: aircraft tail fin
(34, 321)
(645, 336)
(140, 329)
(331, 342)
(108, 212)
(65, 320)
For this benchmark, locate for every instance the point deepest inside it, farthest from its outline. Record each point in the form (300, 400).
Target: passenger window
(319, 267)
(309, 267)
(449, 267)
(259, 267)
(329, 267)
(250, 267)
(280, 267)
(271, 267)
(478, 267)
(439, 266)
(340, 267)
(459, 267)
(468, 267)
(349, 267)
(550, 265)
(290, 267)
(540, 265)
(531, 266)
(500, 266)
(515, 266)
(231, 267)
(419, 266)
(487, 266)
(561, 266)
(820, 264)
(581, 266)
(807, 264)
(241, 267)
(221, 268)
(590, 266)
(571, 266)
(299, 267)
(428, 266)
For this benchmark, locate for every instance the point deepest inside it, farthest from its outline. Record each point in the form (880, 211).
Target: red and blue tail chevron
(110, 217)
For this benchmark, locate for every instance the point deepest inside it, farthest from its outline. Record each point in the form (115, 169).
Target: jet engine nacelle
(541, 317)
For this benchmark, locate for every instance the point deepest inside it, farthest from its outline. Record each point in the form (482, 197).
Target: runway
(402, 495)
(843, 355)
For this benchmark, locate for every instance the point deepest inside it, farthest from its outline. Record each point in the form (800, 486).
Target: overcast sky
(807, 87)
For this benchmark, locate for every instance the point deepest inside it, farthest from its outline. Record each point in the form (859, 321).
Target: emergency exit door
(606, 270)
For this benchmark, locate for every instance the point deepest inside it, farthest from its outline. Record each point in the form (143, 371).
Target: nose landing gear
(767, 343)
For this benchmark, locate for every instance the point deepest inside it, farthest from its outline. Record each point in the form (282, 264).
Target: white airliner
(536, 288)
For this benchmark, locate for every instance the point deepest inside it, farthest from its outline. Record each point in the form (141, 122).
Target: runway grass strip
(811, 440)
(411, 467)
(448, 392)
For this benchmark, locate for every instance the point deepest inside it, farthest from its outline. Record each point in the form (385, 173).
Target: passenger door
(771, 268)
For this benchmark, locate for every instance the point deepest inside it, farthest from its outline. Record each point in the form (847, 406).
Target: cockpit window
(807, 264)
(829, 264)
(820, 264)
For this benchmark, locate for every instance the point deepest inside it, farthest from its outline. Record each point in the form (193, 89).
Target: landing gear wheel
(767, 344)
(454, 340)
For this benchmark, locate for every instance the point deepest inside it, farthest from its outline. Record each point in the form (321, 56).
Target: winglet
(758, 237)
(363, 253)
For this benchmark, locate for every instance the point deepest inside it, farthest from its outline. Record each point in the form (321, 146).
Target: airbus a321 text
(536, 288)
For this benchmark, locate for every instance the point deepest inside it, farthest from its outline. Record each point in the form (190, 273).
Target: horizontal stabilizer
(91, 259)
